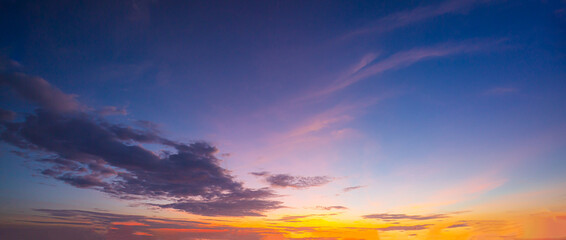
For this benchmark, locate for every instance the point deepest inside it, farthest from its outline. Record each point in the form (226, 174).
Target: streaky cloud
(404, 18)
(331, 207)
(391, 217)
(287, 180)
(405, 228)
(352, 188)
(404, 59)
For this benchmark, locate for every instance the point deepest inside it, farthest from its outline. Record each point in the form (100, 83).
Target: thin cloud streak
(402, 59)
(404, 18)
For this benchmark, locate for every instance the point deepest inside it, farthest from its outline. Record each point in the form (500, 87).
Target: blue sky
(418, 107)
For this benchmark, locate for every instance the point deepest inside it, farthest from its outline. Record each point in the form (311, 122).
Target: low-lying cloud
(391, 217)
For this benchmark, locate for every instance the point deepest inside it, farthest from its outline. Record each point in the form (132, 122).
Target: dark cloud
(293, 218)
(352, 188)
(85, 151)
(7, 115)
(331, 207)
(260, 174)
(226, 206)
(41, 92)
(390, 217)
(404, 228)
(62, 224)
(48, 232)
(104, 219)
(286, 180)
(458, 225)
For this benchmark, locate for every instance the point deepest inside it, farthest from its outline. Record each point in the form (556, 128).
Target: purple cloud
(404, 228)
(7, 115)
(286, 180)
(41, 92)
(331, 207)
(347, 189)
(390, 217)
(86, 151)
(404, 18)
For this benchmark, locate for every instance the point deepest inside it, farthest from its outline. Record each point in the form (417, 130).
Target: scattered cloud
(63, 223)
(294, 218)
(458, 225)
(7, 115)
(112, 110)
(286, 180)
(391, 217)
(404, 228)
(331, 207)
(347, 189)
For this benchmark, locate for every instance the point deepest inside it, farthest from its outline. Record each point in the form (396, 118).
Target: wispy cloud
(286, 180)
(63, 223)
(405, 228)
(390, 217)
(419, 14)
(352, 188)
(402, 59)
(331, 207)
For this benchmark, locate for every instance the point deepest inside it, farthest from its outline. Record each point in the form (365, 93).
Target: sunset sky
(312, 120)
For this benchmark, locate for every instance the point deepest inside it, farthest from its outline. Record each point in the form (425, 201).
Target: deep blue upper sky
(379, 95)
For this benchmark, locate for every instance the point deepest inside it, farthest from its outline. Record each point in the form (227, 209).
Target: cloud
(296, 218)
(331, 207)
(286, 180)
(403, 59)
(85, 151)
(111, 110)
(61, 223)
(7, 115)
(347, 189)
(391, 217)
(458, 225)
(404, 18)
(404, 228)
(41, 92)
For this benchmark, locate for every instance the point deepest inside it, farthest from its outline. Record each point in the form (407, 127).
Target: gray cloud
(390, 217)
(404, 228)
(41, 92)
(458, 225)
(111, 110)
(286, 180)
(7, 115)
(85, 151)
(352, 188)
(55, 224)
(331, 207)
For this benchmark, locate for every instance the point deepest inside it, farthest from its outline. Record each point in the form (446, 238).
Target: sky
(312, 120)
